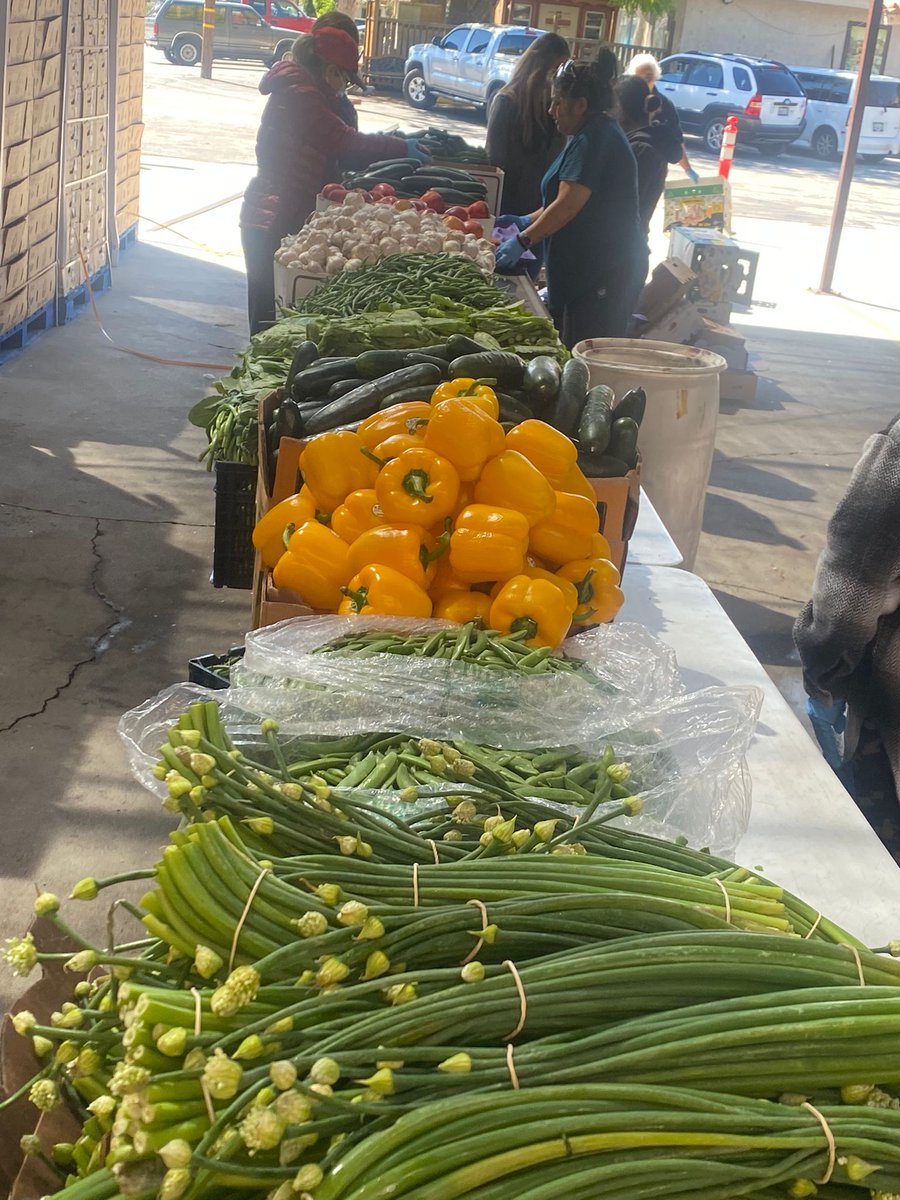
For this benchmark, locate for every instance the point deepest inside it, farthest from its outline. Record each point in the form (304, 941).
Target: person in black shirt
(637, 106)
(665, 127)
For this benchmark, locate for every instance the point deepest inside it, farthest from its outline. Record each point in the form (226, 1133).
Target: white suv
(707, 89)
(830, 95)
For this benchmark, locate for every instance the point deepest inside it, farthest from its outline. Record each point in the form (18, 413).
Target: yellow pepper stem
(473, 387)
(525, 625)
(426, 556)
(379, 462)
(415, 483)
(358, 599)
(585, 588)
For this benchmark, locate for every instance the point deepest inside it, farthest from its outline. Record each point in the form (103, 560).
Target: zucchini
(512, 409)
(602, 466)
(364, 400)
(304, 356)
(595, 426)
(419, 356)
(321, 375)
(541, 380)
(439, 351)
(573, 389)
(373, 363)
(409, 394)
(458, 345)
(624, 440)
(633, 404)
(448, 172)
(341, 388)
(508, 369)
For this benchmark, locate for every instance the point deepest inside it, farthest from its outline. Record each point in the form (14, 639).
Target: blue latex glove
(508, 254)
(828, 722)
(692, 175)
(510, 219)
(414, 150)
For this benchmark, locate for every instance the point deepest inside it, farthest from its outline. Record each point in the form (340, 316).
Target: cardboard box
(13, 309)
(720, 313)
(738, 386)
(41, 289)
(21, 10)
(51, 36)
(725, 341)
(137, 32)
(14, 240)
(19, 82)
(705, 204)
(668, 284)
(47, 77)
(20, 42)
(15, 202)
(45, 114)
(48, 8)
(617, 503)
(42, 221)
(491, 177)
(18, 123)
(16, 162)
(14, 275)
(42, 256)
(43, 186)
(44, 150)
(681, 325)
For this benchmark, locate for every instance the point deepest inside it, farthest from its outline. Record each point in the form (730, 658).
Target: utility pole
(848, 163)
(209, 35)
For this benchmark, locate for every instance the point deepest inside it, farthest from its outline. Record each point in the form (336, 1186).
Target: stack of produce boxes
(129, 129)
(30, 168)
(86, 139)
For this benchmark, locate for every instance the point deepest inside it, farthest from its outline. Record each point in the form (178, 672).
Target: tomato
(382, 189)
(474, 227)
(420, 206)
(334, 192)
(454, 223)
(478, 209)
(403, 205)
(458, 211)
(433, 201)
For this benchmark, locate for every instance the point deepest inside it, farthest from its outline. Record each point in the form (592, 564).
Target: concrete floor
(107, 518)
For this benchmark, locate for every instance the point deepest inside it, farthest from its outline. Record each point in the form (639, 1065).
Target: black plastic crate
(235, 517)
(200, 670)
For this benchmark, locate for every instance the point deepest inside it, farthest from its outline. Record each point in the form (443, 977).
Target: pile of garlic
(344, 237)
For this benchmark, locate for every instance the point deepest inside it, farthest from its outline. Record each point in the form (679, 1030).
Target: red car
(283, 14)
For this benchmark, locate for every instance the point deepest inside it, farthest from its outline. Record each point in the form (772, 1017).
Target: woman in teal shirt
(596, 254)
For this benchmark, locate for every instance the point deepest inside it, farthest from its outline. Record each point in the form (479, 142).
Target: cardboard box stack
(689, 300)
(31, 155)
(85, 143)
(129, 129)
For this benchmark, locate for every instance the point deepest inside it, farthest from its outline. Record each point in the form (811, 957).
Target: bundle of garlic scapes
(345, 237)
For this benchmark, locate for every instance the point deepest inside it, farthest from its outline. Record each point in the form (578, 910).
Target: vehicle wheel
(170, 56)
(416, 91)
(491, 97)
(772, 149)
(873, 157)
(713, 134)
(824, 143)
(281, 50)
(186, 51)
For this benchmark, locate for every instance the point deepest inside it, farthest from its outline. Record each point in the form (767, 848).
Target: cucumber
(602, 466)
(292, 419)
(451, 196)
(364, 400)
(419, 356)
(321, 375)
(595, 426)
(373, 363)
(341, 388)
(409, 394)
(624, 440)
(633, 404)
(458, 344)
(541, 380)
(508, 369)
(512, 409)
(573, 389)
(439, 351)
(448, 172)
(304, 356)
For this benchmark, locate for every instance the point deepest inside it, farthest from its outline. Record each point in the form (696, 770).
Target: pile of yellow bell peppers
(433, 509)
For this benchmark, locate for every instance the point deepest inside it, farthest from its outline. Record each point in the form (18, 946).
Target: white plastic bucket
(678, 433)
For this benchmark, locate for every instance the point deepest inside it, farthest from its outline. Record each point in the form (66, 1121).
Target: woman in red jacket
(302, 144)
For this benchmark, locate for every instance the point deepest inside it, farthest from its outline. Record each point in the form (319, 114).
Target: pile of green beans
(468, 644)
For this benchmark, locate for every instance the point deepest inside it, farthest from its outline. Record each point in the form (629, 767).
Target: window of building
(520, 14)
(853, 47)
(595, 25)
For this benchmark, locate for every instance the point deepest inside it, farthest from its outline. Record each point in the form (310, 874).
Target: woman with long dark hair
(596, 253)
(636, 107)
(521, 135)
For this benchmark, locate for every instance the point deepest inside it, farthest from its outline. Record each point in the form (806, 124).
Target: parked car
(707, 89)
(176, 27)
(830, 95)
(282, 13)
(471, 62)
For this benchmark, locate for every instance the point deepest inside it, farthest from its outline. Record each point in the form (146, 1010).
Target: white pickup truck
(471, 62)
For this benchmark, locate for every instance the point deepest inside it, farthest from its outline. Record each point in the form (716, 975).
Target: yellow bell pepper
(445, 580)
(381, 589)
(600, 547)
(569, 591)
(488, 543)
(464, 499)
(333, 465)
(511, 480)
(316, 565)
(410, 549)
(597, 583)
(417, 488)
(534, 605)
(463, 607)
(394, 446)
(268, 533)
(552, 452)
(476, 391)
(465, 434)
(399, 418)
(568, 533)
(577, 482)
(358, 513)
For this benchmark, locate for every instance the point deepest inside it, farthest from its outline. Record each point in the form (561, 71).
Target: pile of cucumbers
(323, 394)
(411, 180)
(445, 146)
